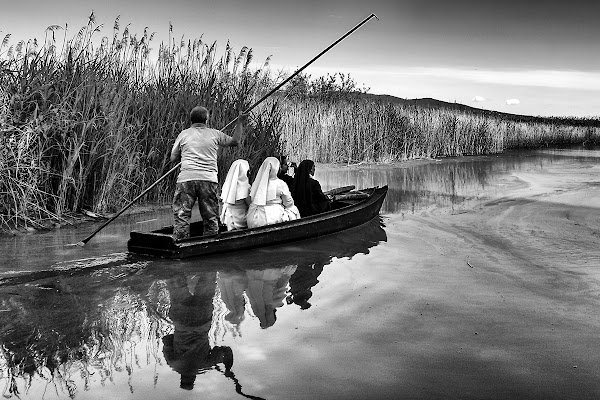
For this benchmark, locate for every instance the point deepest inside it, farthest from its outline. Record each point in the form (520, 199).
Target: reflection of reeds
(446, 184)
(361, 130)
(71, 342)
(90, 124)
(220, 326)
(76, 342)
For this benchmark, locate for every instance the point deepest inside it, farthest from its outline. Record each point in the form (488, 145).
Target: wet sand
(500, 299)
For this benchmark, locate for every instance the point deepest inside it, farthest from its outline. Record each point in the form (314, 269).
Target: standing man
(197, 148)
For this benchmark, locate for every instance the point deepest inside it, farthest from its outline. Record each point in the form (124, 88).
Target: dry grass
(88, 123)
(91, 126)
(361, 130)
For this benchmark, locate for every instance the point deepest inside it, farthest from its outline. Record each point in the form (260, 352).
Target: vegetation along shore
(87, 121)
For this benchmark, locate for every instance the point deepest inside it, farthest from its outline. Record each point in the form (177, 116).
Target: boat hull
(350, 213)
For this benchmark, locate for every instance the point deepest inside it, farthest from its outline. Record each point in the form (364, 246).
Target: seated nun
(307, 193)
(235, 196)
(271, 200)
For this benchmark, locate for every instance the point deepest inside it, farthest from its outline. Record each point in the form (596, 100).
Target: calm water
(299, 321)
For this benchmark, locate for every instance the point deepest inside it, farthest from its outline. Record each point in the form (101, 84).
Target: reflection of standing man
(188, 350)
(197, 147)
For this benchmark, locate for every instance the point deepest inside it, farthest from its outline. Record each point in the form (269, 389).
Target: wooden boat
(348, 210)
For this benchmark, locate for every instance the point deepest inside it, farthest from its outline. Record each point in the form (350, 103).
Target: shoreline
(74, 220)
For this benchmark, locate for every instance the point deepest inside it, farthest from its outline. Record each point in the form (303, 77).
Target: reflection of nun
(232, 285)
(188, 350)
(235, 196)
(301, 283)
(266, 292)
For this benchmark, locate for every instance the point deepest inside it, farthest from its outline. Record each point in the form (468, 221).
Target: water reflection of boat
(346, 214)
(265, 290)
(356, 240)
(80, 328)
(270, 277)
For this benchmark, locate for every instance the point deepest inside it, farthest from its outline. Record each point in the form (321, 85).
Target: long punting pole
(351, 31)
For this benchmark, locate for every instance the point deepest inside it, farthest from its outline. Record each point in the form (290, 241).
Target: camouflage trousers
(186, 194)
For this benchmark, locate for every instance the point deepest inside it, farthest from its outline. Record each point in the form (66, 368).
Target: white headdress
(261, 192)
(236, 183)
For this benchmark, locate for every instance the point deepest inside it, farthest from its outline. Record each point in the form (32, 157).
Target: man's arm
(236, 139)
(176, 152)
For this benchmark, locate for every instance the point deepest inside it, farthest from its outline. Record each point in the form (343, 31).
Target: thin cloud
(540, 78)
(561, 79)
(478, 99)
(513, 102)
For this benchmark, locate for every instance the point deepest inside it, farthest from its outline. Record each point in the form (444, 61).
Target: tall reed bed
(361, 130)
(89, 122)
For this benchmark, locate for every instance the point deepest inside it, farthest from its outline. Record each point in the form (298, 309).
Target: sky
(529, 57)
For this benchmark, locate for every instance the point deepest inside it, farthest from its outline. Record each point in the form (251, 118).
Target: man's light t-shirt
(198, 146)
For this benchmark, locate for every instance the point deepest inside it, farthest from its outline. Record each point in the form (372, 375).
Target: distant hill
(438, 104)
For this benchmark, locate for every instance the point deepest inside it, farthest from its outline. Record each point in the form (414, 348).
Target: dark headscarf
(301, 188)
(306, 191)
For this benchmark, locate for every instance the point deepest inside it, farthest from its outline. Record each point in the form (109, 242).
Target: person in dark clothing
(284, 166)
(306, 191)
